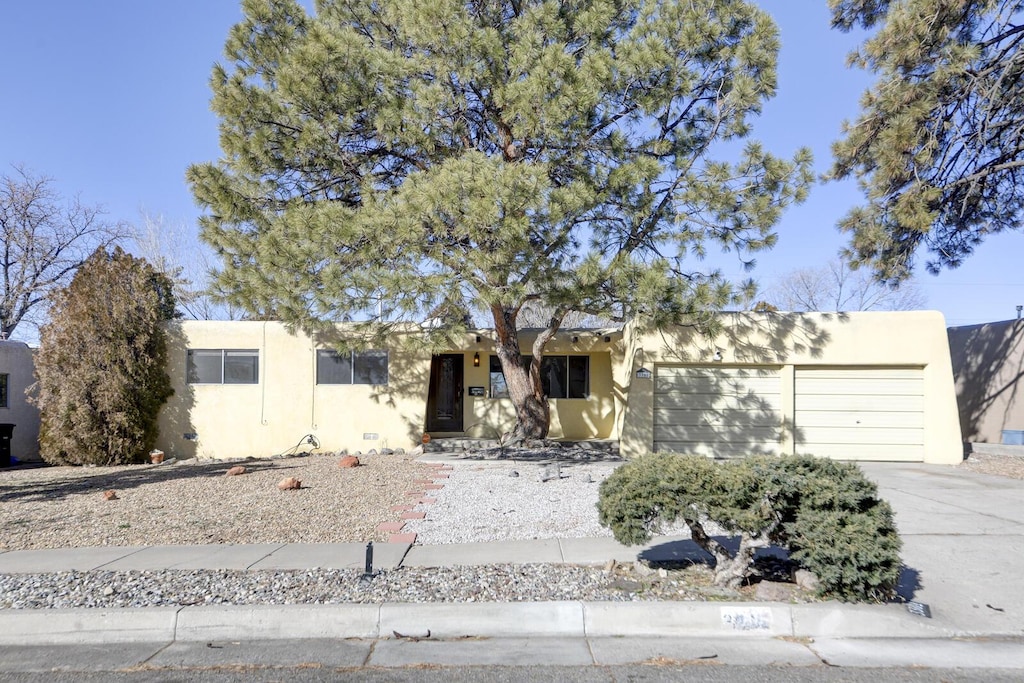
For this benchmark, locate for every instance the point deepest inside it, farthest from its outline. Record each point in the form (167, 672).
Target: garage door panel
(718, 450)
(860, 419)
(879, 437)
(907, 453)
(872, 387)
(864, 373)
(712, 386)
(717, 411)
(755, 402)
(744, 435)
(717, 418)
(813, 403)
(860, 413)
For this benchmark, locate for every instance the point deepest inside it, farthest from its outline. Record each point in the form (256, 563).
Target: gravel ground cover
(492, 583)
(519, 500)
(193, 502)
(1000, 465)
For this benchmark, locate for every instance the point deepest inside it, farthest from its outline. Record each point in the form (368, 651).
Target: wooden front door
(444, 402)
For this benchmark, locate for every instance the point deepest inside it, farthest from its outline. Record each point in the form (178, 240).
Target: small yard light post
(368, 568)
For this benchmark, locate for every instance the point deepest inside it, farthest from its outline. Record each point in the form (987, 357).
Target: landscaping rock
(289, 483)
(773, 591)
(806, 580)
(416, 452)
(349, 461)
(109, 495)
(399, 451)
(235, 471)
(386, 451)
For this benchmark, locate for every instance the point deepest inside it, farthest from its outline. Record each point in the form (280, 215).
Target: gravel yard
(1000, 465)
(193, 502)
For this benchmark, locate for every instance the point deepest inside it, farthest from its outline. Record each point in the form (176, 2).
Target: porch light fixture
(575, 339)
(718, 355)
(476, 359)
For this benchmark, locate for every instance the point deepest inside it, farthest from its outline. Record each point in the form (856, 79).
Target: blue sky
(111, 98)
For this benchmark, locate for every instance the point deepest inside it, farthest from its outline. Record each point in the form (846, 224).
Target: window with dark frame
(4, 379)
(356, 367)
(560, 376)
(223, 366)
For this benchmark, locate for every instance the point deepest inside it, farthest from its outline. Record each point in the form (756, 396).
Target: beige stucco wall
(788, 341)
(573, 419)
(988, 363)
(17, 362)
(241, 420)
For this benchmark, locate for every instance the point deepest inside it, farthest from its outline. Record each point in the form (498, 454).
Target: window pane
(579, 376)
(553, 374)
(204, 366)
(498, 387)
(333, 368)
(241, 367)
(3, 390)
(371, 367)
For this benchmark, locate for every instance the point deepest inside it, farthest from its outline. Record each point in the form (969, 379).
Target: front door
(444, 402)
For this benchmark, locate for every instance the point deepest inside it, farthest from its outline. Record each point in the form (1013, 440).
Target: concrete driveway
(963, 543)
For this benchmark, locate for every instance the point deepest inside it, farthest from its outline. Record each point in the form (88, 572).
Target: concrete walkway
(963, 546)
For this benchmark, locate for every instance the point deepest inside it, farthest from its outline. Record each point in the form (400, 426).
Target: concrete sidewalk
(963, 543)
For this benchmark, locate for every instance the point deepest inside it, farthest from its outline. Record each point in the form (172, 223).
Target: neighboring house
(17, 374)
(859, 386)
(988, 364)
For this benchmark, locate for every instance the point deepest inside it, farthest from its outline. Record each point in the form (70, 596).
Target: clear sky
(111, 98)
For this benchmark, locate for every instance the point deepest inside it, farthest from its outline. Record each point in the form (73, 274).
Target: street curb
(457, 620)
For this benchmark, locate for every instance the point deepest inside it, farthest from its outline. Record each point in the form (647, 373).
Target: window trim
(5, 390)
(353, 373)
(254, 353)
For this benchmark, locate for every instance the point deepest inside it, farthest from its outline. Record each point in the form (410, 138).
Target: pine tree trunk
(533, 413)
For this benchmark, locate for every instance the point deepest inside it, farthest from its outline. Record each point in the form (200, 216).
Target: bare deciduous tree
(187, 262)
(44, 239)
(836, 287)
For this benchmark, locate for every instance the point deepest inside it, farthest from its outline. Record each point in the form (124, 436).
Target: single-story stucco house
(19, 419)
(988, 364)
(857, 386)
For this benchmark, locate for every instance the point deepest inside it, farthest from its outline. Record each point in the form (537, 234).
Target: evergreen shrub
(825, 513)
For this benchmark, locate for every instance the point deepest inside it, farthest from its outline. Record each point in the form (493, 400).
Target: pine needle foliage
(412, 161)
(827, 514)
(101, 365)
(938, 147)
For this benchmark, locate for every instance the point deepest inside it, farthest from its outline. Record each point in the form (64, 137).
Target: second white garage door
(860, 413)
(717, 411)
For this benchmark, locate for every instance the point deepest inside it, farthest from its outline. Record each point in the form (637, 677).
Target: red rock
(349, 461)
(109, 495)
(235, 471)
(289, 483)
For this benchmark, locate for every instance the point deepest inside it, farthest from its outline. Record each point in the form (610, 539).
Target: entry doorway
(444, 401)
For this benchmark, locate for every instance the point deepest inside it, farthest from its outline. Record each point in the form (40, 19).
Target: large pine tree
(939, 144)
(413, 160)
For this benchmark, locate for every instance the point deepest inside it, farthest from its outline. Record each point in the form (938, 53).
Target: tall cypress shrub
(101, 365)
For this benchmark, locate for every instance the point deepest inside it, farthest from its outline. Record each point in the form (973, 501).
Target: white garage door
(860, 413)
(716, 411)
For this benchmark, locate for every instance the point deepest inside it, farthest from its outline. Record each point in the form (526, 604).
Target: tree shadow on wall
(988, 364)
(408, 379)
(724, 399)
